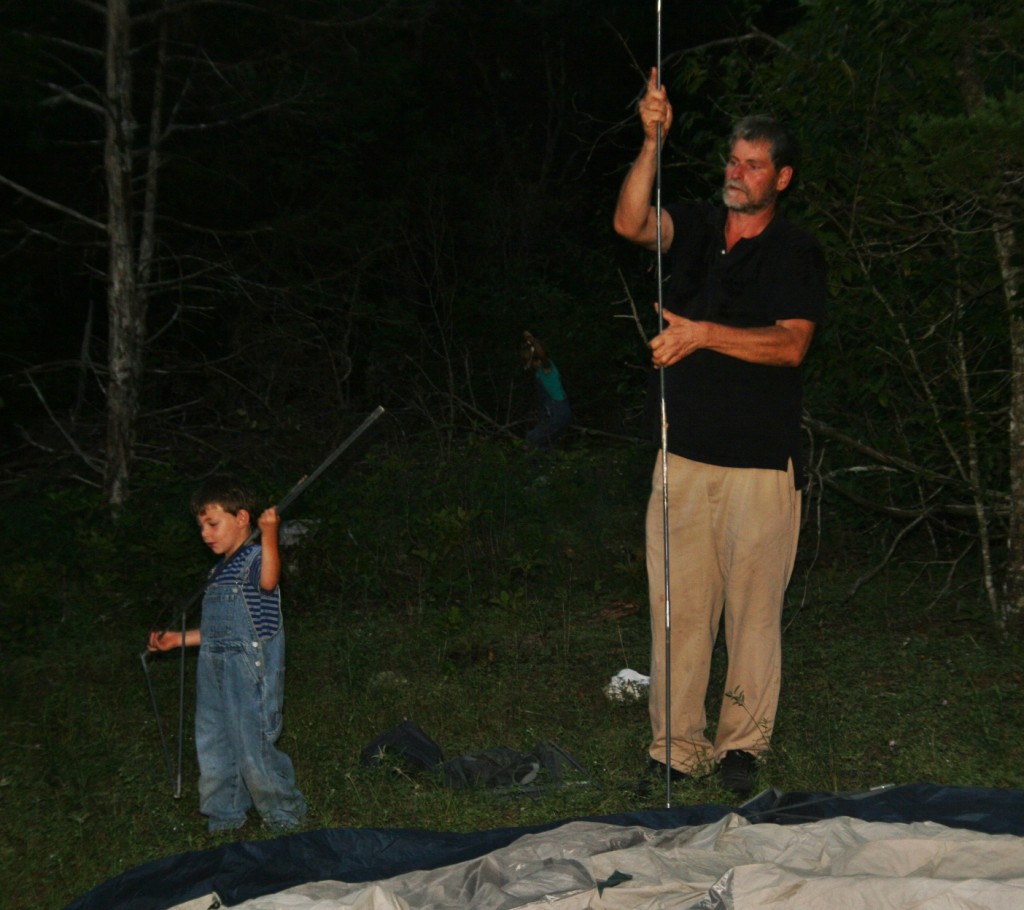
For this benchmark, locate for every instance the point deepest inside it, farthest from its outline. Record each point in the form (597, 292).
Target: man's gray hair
(784, 147)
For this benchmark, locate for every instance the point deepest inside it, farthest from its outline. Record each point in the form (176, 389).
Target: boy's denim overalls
(239, 697)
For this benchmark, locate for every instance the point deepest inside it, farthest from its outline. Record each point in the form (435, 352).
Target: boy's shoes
(737, 771)
(224, 825)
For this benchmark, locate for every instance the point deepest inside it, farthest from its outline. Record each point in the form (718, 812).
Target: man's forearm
(634, 215)
(783, 344)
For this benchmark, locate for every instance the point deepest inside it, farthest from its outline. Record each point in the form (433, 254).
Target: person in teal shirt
(555, 413)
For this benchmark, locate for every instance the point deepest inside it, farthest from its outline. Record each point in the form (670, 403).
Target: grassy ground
(489, 599)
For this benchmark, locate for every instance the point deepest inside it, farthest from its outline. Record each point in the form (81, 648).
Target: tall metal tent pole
(664, 451)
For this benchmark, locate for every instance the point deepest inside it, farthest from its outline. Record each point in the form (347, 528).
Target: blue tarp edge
(244, 870)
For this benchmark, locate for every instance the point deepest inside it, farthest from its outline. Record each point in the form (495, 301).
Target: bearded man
(746, 289)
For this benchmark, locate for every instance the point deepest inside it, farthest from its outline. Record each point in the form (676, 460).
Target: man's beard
(750, 206)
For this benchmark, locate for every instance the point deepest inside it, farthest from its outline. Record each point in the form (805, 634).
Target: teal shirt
(551, 382)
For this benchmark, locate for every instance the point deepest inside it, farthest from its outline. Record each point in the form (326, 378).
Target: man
(745, 290)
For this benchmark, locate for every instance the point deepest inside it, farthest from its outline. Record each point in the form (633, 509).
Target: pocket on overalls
(273, 717)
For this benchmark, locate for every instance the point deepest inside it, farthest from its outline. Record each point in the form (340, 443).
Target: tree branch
(52, 204)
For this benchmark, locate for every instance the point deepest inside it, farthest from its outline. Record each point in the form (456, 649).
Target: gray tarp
(836, 863)
(918, 845)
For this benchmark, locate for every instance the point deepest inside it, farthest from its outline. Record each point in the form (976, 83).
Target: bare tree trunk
(1008, 248)
(1011, 607)
(147, 242)
(126, 306)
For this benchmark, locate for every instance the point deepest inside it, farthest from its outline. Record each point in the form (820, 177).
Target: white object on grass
(627, 686)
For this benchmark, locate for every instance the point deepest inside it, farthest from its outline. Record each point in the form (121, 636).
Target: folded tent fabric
(245, 871)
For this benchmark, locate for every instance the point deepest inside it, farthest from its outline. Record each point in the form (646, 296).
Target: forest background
(231, 229)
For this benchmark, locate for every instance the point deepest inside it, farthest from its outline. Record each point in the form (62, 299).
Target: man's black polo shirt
(722, 410)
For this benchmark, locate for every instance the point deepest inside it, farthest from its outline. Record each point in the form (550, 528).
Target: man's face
(752, 183)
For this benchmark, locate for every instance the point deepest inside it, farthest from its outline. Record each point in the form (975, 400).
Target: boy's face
(223, 532)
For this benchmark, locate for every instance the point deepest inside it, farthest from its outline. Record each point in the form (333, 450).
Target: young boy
(240, 674)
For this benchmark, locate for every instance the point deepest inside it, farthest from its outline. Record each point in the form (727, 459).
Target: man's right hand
(655, 109)
(634, 216)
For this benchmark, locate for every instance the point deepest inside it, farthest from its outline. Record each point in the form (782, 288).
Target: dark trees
(911, 114)
(290, 206)
(172, 122)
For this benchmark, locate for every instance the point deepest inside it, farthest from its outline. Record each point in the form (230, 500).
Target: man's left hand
(680, 338)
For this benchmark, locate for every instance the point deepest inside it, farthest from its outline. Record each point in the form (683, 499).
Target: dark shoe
(654, 780)
(737, 771)
(657, 769)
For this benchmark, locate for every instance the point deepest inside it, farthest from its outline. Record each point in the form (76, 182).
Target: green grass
(489, 599)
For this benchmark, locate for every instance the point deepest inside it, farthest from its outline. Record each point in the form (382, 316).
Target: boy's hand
(269, 522)
(163, 641)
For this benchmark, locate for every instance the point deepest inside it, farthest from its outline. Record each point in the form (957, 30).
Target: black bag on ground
(504, 767)
(498, 767)
(406, 742)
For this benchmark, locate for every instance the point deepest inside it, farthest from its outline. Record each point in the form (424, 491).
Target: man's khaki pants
(732, 542)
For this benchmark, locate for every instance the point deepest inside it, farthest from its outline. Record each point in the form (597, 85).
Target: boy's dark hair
(227, 492)
(785, 148)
